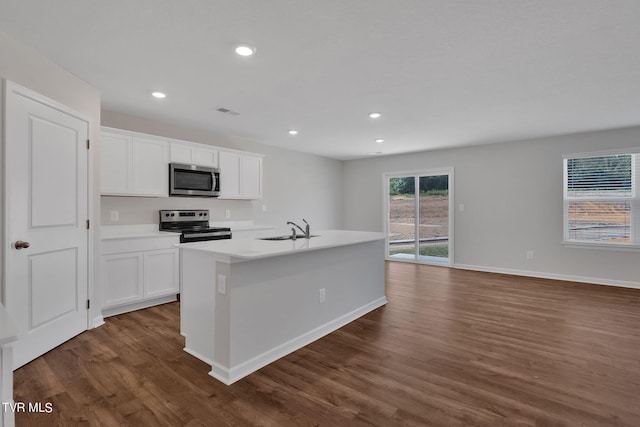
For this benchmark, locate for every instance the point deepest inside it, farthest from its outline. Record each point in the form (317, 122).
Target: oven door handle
(188, 235)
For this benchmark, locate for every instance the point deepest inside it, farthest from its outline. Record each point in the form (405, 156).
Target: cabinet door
(121, 279)
(197, 154)
(251, 177)
(150, 167)
(181, 153)
(161, 273)
(205, 157)
(229, 175)
(115, 164)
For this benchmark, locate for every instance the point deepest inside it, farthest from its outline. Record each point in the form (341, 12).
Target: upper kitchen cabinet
(133, 166)
(116, 164)
(137, 164)
(196, 154)
(240, 175)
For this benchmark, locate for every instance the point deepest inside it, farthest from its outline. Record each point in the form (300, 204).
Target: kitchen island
(248, 302)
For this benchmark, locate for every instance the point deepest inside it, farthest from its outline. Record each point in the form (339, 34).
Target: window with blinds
(601, 201)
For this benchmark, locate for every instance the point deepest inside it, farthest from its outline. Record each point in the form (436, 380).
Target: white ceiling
(443, 72)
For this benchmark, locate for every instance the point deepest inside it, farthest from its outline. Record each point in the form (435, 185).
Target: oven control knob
(173, 214)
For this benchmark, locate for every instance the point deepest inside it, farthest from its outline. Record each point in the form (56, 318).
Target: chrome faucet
(306, 231)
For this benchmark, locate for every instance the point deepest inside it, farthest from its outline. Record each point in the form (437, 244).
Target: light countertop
(251, 248)
(8, 330)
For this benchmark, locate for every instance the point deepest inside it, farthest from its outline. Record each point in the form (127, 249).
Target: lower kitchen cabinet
(160, 275)
(122, 279)
(141, 278)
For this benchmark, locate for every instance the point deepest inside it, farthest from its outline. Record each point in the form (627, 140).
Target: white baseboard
(554, 276)
(230, 375)
(97, 321)
(112, 311)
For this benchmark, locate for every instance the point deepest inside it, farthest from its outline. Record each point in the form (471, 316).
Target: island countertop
(251, 248)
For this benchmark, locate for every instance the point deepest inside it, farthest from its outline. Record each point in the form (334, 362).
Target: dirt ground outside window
(434, 217)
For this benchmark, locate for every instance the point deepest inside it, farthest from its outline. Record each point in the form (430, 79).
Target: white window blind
(601, 201)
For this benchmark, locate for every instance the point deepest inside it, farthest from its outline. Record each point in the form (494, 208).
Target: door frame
(8, 87)
(385, 209)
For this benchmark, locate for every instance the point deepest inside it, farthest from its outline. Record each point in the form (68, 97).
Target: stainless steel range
(193, 225)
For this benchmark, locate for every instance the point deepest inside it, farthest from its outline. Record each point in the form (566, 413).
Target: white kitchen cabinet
(115, 164)
(240, 175)
(229, 175)
(150, 160)
(136, 164)
(122, 279)
(161, 272)
(139, 272)
(133, 166)
(251, 177)
(196, 154)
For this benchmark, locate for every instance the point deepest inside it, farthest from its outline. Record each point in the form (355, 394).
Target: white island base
(247, 303)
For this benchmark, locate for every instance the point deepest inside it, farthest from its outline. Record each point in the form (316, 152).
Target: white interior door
(46, 161)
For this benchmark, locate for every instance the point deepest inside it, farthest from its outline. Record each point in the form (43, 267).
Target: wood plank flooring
(452, 348)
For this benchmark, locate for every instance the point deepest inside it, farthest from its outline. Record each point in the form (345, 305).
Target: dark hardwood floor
(452, 348)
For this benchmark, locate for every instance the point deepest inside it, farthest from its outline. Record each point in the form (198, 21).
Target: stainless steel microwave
(193, 180)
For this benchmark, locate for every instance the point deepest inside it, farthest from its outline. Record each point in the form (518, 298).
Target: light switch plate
(222, 284)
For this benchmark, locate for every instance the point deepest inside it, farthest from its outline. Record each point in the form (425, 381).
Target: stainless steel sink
(287, 237)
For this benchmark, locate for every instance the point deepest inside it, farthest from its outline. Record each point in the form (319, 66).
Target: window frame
(634, 244)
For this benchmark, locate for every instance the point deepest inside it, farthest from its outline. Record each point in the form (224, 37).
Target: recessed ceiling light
(379, 140)
(159, 95)
(375, 153)
(244, 50)
(293, 132)
(375, 115)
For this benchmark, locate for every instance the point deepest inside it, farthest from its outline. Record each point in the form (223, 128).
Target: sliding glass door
(418, 216)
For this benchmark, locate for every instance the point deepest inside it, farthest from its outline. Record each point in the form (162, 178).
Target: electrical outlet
(115, 216)
(222, 284)
(264, 208)
(227, 213)
(461, 207)
(322, 295)
(529, 254)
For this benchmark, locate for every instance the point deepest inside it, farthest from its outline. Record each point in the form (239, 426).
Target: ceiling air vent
(227, 111)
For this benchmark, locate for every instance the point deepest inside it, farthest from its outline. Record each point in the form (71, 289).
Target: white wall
(32, 70)
(512, 193)
(295, 185)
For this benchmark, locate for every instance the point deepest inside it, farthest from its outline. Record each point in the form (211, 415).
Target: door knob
(22, 245)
